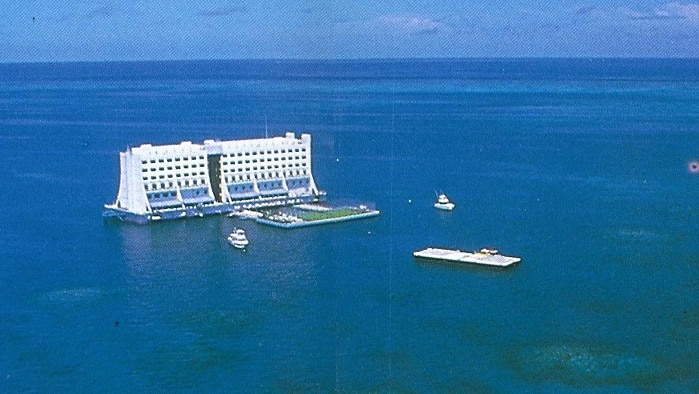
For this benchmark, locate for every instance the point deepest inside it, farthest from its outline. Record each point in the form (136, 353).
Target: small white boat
(238, 239)
(443, 203)
(245, 214)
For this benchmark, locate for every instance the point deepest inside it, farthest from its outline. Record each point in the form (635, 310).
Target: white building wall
(131, 195)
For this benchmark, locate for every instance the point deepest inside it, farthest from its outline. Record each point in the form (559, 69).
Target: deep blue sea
(581, 167)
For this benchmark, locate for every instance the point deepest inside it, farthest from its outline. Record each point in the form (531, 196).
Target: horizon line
(358, 59)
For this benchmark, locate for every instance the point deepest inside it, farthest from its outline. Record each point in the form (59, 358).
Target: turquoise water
(581, 167)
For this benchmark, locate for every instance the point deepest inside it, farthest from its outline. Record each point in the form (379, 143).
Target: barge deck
(484, 257)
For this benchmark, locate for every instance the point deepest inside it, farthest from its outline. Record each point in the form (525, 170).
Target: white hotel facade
(185, 180)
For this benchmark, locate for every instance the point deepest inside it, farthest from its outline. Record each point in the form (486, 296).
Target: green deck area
(310, 216)
(301, 218)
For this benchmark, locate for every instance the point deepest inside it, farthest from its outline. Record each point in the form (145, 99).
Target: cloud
(411, 24)
(674, 10)
(223, 11)
(686, 11)
(102, 12)
(586, 10)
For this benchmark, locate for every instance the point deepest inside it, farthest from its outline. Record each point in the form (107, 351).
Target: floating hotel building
(186, 180)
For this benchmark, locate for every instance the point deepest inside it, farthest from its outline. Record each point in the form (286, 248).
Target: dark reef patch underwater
(586, 366)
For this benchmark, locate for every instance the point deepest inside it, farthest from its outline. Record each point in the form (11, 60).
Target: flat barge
(484, 257)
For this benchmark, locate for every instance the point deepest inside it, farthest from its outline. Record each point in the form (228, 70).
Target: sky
(84, 30)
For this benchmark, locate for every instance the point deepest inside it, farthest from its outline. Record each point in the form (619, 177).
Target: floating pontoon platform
(487, 257)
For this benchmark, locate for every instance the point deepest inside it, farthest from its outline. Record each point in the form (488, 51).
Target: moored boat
(238, 239)
(443, 203)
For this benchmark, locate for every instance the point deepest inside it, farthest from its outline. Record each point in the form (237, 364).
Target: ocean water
(581, 167)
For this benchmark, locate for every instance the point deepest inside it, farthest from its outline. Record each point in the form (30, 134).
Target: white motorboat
(238, 239)
(443, 203)
(245, 214)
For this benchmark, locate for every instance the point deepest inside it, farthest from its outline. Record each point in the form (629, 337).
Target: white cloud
(410, 24)
(674, 10)
(686, 11)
